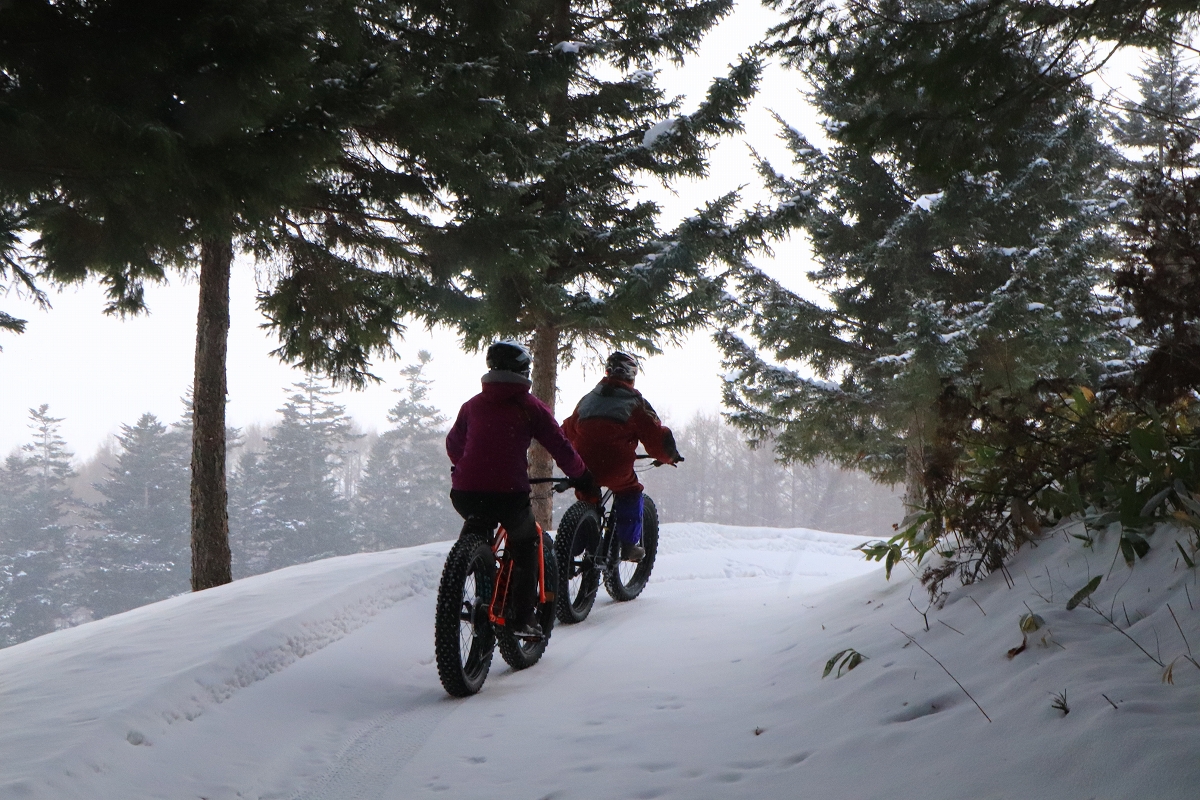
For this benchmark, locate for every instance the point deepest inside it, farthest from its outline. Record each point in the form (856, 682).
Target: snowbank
(318, 683)
(128, 679)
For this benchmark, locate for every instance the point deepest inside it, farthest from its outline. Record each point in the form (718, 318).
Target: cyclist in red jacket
(605, 428)
(490, 476)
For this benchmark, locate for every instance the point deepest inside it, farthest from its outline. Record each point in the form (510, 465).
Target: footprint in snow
(927, 708)
(795, 759)
(656, 767)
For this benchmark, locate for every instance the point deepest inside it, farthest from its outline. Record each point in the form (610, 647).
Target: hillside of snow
(317, 683)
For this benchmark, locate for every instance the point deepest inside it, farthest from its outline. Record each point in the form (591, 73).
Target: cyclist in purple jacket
(490, 476)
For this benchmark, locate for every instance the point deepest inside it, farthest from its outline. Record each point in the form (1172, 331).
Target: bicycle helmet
(509, 356)
(621, 366)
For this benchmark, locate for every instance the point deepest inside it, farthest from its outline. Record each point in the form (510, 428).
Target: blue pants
(627, 511)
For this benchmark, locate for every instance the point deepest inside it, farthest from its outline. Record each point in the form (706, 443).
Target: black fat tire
(522, 653)
(463, 674)
(627, 586)
(576, 544)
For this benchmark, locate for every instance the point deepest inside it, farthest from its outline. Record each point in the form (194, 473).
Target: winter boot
(525, 625)
(632, 552)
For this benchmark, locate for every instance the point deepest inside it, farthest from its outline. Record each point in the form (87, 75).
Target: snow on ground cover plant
(709, 685)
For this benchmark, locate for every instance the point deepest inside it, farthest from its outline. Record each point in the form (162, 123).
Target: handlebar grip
(657, 463)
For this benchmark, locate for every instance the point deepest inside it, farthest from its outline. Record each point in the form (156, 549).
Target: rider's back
(607, 425)
(489, 440)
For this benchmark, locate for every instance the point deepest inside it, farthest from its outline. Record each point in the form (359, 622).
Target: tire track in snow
(366, 767)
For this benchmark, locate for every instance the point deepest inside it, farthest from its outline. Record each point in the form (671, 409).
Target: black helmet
(621, 366)
(510, 356)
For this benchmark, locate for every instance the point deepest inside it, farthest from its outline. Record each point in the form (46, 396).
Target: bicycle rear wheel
(523, 653)
(463, 638)
(624, 580)
(579, 577)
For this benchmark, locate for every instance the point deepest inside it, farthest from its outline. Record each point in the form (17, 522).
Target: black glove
(668, 444)
(586, 484)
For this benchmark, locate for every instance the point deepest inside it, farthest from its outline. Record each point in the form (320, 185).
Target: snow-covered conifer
(539, 231)
(299, 515)
(143, 553)
(34, 498)
(958, 292)
(401, 497)
(1161, 273)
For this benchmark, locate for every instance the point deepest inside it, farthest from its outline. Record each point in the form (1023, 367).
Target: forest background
(316, 484)
(1001, 314)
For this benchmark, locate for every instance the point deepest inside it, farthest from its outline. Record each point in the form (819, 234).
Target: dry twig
(943, 666)
(1117, 628)
(951, 627)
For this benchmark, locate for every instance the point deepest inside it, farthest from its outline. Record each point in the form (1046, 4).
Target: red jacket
(606, 427)
(489, 440)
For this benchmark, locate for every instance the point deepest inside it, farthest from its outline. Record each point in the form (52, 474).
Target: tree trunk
(914, 474)
(545, 388)
(545, 336)
(211, 559)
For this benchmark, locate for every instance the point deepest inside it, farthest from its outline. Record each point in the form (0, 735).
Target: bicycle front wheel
(463, 638)
(624, 580)
(576, 544)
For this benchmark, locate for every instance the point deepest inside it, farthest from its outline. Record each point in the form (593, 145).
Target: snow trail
(707, 686)
(366, 767)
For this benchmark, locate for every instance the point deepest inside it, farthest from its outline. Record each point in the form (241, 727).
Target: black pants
(514, 511)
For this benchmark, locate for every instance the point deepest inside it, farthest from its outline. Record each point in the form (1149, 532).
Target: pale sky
(97, 372)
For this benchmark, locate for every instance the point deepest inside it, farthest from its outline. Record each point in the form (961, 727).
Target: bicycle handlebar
(562, 483)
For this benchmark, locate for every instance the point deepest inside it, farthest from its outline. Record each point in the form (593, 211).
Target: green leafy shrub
(846, 659)
(1108, 460)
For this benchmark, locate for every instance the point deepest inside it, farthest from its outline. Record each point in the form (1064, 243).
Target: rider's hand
(586, 485)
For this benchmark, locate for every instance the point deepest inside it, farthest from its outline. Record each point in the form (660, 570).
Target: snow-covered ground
(318, 683)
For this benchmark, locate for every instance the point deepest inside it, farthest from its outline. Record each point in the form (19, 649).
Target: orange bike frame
(504, 575)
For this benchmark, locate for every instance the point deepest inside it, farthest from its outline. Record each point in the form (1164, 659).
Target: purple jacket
(488, 442)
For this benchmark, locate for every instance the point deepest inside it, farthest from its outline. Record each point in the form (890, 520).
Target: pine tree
(139, 138)
(402, 498)
(1159, 128)
(249, 526)
(145, 519)
(47, 463)
(300, 515)
(1162, 237)
(33, 539)
(961, 294)
(540, 233)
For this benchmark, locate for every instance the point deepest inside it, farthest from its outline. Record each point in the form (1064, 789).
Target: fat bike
(589, 553)
(474, 604)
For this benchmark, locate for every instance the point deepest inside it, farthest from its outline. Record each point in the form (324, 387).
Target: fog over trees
(87, 539)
